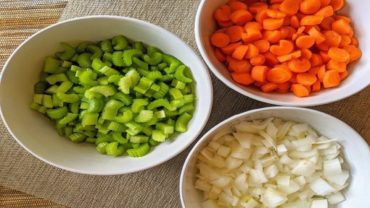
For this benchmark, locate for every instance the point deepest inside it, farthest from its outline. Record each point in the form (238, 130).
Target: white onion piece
(271, 163)
(319, 203)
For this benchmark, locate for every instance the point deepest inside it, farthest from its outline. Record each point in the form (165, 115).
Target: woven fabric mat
(156, 187)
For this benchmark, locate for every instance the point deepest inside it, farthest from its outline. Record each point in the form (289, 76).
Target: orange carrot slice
(239, 66)
(299, 65)
(332, 38)
(335, 65)
(241, 16)
(257, 60)
(219, 55)
(327, 11)
(331, 79)
(262, 45)
(234, 33)
(342, 27)
(220, 40)
(259, 73)
(288, 57)
(284, 47)
(316, 87)
(305, 41)
(339, 55)
(290, 7)
(310, 6)
(337, 4)
(307, 79)
(222, 14)
(354, 52)
(279, 75)
(240, 52)
(272, 24)
(252, 51)
(300, 90)
(269, 87)
(311, 20)
(242, 78)
(230, 48)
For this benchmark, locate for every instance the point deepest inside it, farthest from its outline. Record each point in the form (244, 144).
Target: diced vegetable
(271, 163)
(121, 95)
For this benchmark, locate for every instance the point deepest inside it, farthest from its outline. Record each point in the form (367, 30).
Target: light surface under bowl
(359, 12)
(356, 152)
(37, 134)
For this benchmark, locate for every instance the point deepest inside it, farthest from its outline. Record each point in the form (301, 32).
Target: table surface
(18, 20)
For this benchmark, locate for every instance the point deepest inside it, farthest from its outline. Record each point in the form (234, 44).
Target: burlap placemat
(157, 187)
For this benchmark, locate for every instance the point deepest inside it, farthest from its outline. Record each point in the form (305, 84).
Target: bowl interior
(356, 9)
(37, 134)
(356, 151)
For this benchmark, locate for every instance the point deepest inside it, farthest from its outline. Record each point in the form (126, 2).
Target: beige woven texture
(156, 187)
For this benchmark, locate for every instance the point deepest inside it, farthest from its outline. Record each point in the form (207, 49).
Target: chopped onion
(271, 163)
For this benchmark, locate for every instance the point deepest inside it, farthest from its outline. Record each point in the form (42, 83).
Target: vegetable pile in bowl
(298, 46)
(122, 95)
(271, 163)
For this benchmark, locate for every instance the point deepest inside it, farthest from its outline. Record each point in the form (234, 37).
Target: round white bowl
(356, 152)
(358, 79)
(36, 133)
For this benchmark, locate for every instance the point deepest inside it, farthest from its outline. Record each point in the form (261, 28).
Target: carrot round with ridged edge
(220, 39)
(242, 78)
(331, 79)
(300, 90)
(259, 73)
(279, 75)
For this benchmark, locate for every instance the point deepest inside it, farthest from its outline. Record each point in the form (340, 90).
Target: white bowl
(38, 136)
(356, 152)
(358, 79)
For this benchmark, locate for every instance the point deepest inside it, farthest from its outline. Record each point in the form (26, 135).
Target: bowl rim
(157, 162)
(235, 87)
(205, 137)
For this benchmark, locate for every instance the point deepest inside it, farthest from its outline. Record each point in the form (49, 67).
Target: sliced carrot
(321, 72)
(337, 4)
(241, 16)
(343, 75)
(230, 48)
(279, 75)
(284, 47)
(300, 90)
(342, 17)
(319, 37)
(325, 2)
(354, 52)
(346, 40)
(239, 66)
(234, 33)
(283, 88)
(259, 73)
(252, 26)
(290, 7)
(335, 65)
(261, 15)
(275, 14)
(331, 79)
(311, 20)
(339, 55)
(316, 60)
(287, 32)
(272, 36)
(225, 24)
(222, 13)
(257, 60)
(323, 46)
(271, 59)
(288, 57)
(252, 51)
(242, 78)
(240, 52)
(219, 55)
(294, 21)
(327, 11)
(262, 45)
(314, 70)
(220, 40)
(251, 36)
(237, 5)
(342, 27)
(269, 87)
(332, 38)
(307, 79)
(272, 24)
(299, 65)
(305, 41)
(324, 56)
(258, 6)
(306, 53)
(316, 87)
(310, 6)
(326, 23)
(354, 41)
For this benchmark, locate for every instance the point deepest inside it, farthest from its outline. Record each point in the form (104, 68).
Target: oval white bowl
(359, 72)
(356, 152)
(38, 135)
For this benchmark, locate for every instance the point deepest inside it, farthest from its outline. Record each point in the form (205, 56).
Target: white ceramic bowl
(38, 136)
(356, 152)
(358, 79)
